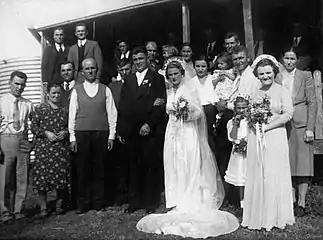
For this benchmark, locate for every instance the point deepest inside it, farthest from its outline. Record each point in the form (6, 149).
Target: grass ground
(114, 224)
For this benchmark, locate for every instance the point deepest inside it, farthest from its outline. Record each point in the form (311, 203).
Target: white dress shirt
(125, 55)
(205, 90)
(141, 75)
(288, 80)
(91, 90)
(81, 42)
(7, 109)
(70, 86)
(58, 46)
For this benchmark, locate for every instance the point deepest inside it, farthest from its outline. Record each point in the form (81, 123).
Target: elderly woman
(268, 191)
(50, 170)
(301, 136)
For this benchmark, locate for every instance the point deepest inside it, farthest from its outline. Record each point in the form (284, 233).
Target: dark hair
(51, 85)
(58, 28)
(240, 48)
(123, 40)
(240, 99)
(226, 58)
(201, 57)
(137, 50)
(230, 35)
(175, 64)
(123, 62)
(186, 45)
(68, 62)
(290, 49)
(81, 24)
(18, 74)
(266, 62)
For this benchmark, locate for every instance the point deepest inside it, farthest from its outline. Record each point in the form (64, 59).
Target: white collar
(125, 55)
(58, 46)
(143, 73)
(71, 84)
(292, 73)
(79, 42)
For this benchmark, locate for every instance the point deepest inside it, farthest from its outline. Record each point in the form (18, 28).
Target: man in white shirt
(92, 127)
(53, 56)
(15, 112)
(83, 49)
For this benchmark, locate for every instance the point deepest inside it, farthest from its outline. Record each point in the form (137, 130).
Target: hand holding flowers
(180, 109)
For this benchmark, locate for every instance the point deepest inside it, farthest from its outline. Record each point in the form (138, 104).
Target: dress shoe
(130, 210)
(150, 210)
(299, 211)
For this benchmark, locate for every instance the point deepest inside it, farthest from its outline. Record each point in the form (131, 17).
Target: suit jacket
(136, 105)
(91, 50)
(304, 100)
(48, 62)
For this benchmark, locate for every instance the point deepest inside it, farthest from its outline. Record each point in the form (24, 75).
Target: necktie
(295, 41)
(67, 86)
(16, 116)
(60, 49)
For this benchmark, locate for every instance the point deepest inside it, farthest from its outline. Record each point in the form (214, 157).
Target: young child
(237, 134)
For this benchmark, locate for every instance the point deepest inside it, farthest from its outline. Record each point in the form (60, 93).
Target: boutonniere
(146, 82)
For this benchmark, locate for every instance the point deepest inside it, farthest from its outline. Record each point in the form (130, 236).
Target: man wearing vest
(92, 126)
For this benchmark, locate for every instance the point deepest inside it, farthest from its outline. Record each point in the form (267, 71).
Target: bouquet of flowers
(259, 111)
(180, 109)
(240, 146)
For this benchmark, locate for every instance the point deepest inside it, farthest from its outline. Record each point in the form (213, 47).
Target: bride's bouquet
(259, 112)
(180, 109)
(240, 146)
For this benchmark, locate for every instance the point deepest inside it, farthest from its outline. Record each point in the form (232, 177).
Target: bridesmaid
(268, 198)
(301, 136)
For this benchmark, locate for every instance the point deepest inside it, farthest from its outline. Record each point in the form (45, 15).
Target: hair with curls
(171, 49)
(266, 62)
(51, 85)
(240, 99)
(290, 49)
(226, 57)
(175, 64)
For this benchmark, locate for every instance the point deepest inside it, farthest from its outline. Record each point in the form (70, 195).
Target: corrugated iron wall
(30, 66)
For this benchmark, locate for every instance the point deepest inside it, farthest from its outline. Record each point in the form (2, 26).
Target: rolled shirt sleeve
(72, 115)
(111, 113)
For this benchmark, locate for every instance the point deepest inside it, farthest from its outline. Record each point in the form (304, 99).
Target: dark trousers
(116, 177)
(145, 169)
(91, 151)
(210, 113)
(73, 171)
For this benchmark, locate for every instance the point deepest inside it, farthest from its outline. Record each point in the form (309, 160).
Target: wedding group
(187, 127)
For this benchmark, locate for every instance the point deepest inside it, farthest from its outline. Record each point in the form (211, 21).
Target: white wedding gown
(192, 182)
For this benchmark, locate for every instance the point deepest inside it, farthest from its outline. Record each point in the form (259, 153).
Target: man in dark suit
(141, 128)
(154, 62)
(83, 49)
(67, 75)
(53, 57)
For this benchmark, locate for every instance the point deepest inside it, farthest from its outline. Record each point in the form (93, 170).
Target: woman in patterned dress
(50, 170)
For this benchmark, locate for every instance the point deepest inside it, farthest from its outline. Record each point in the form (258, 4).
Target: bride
(193, 186)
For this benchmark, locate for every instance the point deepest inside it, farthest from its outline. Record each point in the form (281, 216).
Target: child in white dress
(237, 134)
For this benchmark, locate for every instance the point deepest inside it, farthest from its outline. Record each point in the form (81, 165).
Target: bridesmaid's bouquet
(259, 112)
(240, 146)
(180, 109)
